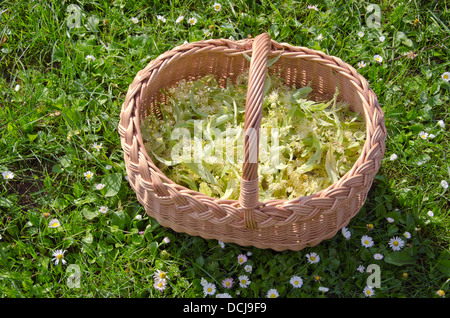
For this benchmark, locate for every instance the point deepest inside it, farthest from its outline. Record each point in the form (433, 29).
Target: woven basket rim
(372, 150)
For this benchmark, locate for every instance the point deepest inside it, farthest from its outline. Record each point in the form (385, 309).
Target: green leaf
(118, 219)
(400, 258)
(201, 171)
(72, 117)
(330, 165)
(112, 184)
(88, 238)
(89, 213)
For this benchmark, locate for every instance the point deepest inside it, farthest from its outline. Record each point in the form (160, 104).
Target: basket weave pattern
(276, 224)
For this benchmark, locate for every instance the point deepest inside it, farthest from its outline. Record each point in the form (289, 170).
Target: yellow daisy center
(312, 258)
(59, 256)
(162, 275)
(369, 292)
(366, 242)
(272, 296)
(395, 243)
(217, 6)
(446, 76)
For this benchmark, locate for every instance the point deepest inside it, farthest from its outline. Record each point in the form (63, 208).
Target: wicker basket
(276, 224)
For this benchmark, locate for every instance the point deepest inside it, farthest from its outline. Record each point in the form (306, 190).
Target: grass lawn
(65, 70)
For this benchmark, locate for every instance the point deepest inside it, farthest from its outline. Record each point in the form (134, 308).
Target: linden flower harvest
(305, 146)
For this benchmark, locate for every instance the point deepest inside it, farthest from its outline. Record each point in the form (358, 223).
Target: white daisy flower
(179, 19)
(54, 223)
(320, 37)
(223, 295)
(166, 240)
(313, 258)
(360, 34)
(440, 293)
(103, 209)
(382, 38)
(7, 175)
(159, 274)
(108, 167)
(59, 256)
(227, 282)
(296, 281)
(90, 58)
(423, 135)
(209, 289)
(244, 281)
(430, 213)
(221, 244)
(242, 258)
(217, 6)
(161, 18)
(366, 241)
(192, 21)
(378, 256)
(97, 146)
(138, 217)
(441, 123)
(396, 243)
(444, 184)
(446, 76)
(407, 235)
(368, 291)
(310, 7)
(390, 220)
(323, 289)
(393, 157)
(135, 20)
(248, 268)
(88, 175)
(99, 186)
(361, 269)
(378, 58)
(361, 64)
(431, 136)
(346, 233)
(160, 284)
(272, 293)
(17, 88)
(203, 281)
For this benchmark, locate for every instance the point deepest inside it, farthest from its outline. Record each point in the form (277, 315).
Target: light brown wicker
(276, 224)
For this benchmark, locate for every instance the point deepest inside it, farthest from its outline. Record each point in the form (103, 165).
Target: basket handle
(249, 191)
